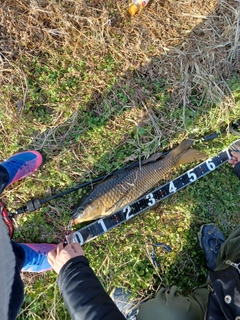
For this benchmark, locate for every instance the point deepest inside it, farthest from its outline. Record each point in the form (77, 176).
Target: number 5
(192, 176)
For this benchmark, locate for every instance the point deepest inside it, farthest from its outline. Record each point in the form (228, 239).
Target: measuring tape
(103, 225)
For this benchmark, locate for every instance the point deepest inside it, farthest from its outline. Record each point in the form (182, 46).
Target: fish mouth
(77, 213)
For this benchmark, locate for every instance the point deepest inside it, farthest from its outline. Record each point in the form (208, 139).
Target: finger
(52, 254)
(68, 247)
(77, 248)
(59, 247)
(50, 260)
(235, 154)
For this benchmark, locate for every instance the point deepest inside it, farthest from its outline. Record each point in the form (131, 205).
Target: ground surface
(93, 88)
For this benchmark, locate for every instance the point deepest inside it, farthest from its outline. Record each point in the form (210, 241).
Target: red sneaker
(22, 164)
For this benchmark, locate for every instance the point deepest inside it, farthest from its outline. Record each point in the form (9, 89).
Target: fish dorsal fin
(191, 155)
(154, 157)
(183, 146)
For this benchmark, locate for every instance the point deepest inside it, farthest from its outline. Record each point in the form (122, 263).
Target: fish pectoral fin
(117, 206)
(191, 155)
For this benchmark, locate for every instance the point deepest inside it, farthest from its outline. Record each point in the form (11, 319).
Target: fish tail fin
(191, 155)
(185, 155)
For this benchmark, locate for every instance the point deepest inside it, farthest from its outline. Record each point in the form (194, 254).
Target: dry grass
(194, 45)
(166, 70)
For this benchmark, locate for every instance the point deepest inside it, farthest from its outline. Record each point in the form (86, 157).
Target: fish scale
(127, 186)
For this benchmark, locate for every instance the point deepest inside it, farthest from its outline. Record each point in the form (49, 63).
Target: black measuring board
(149, 200)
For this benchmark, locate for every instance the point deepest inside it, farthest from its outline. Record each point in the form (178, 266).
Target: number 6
(211, 166)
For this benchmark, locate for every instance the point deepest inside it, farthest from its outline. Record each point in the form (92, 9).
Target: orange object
(136, 6)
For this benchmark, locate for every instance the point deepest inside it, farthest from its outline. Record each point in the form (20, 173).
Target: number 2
(127, 210)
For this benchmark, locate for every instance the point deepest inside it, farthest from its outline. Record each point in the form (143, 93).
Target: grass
(94, 89)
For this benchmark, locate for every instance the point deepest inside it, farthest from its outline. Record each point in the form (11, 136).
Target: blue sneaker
(36, 256)
(210, 240)
(22, 164)
(122, 299)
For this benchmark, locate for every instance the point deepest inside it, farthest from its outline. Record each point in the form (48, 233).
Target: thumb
(235, 154)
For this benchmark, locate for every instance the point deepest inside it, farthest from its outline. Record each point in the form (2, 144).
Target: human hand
(60, 255)
(235, 158)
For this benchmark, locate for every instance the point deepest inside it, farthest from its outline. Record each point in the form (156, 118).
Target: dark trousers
(17, 294)
(171, 305)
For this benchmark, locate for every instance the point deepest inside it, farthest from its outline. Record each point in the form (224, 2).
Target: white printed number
(78, 238)
(192, 176)
(101, 222)
(127, 210)
(151, 201)
(172, 187)
(211, 166)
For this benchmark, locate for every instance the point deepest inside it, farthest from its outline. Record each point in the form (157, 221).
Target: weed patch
(94, 89)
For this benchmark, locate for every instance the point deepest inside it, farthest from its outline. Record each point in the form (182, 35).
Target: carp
(128, 185)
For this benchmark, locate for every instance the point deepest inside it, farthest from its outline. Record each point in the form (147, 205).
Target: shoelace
(217, 245)
(35, 258)
(12, 164)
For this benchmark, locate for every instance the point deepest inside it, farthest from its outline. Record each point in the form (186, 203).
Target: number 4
(172, 187)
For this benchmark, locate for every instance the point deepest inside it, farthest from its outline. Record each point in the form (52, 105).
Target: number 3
(151, 201)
